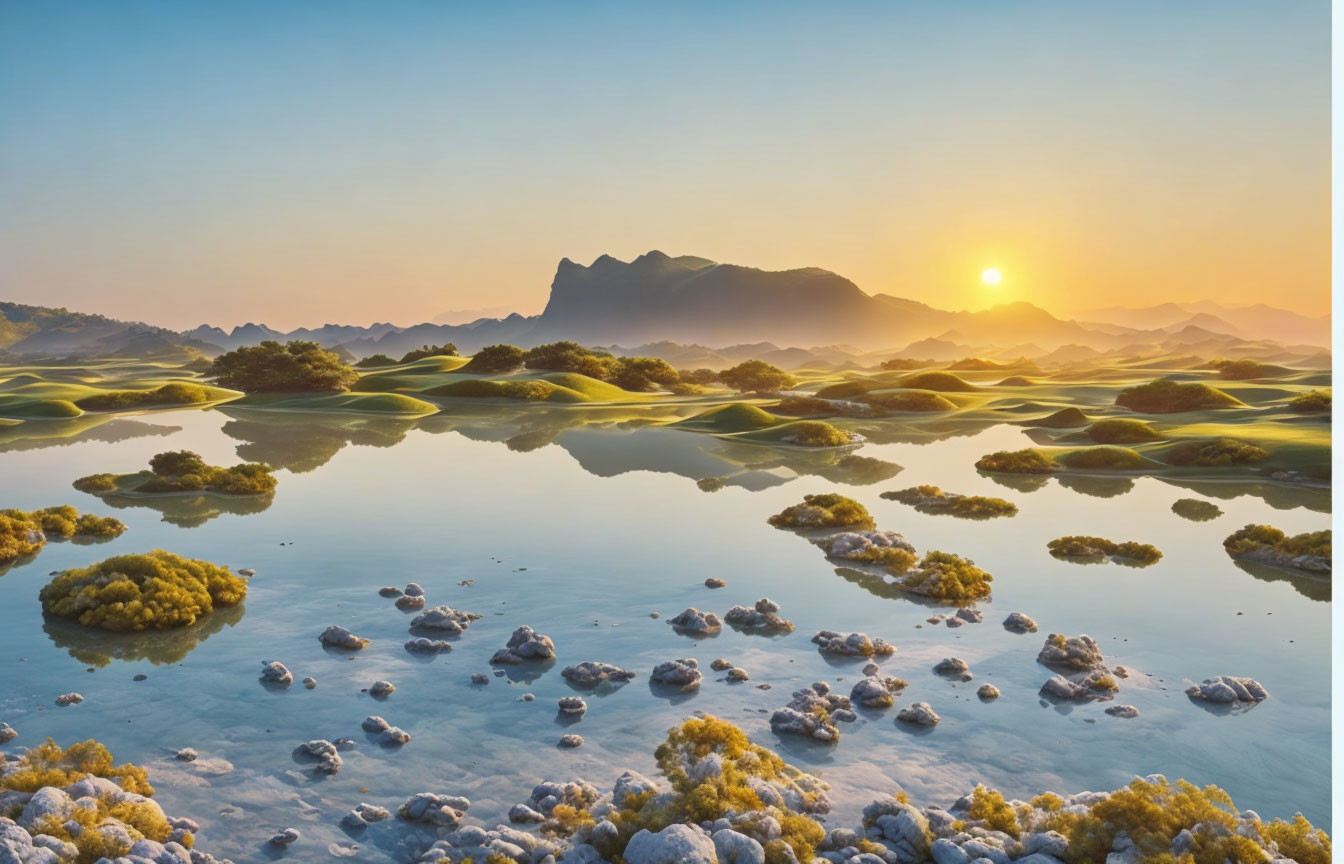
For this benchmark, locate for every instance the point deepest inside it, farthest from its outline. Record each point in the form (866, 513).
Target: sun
(991, 276)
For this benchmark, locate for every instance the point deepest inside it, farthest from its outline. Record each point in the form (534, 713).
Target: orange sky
(299, 165)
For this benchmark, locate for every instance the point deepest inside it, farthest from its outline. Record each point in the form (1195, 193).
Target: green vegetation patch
(29, 408)
(1122, 430)
(948, 578)
(1215, 453)
(731, 419)
(20, 536)
(1312, 402)
(931, 499)
(925, 401)
(1105, 458)
(156, 590)
(1257, 538)
(494, 360)
(184, 471)
(1242, 370)
(1096, 549)
(942, 382)
(23, 534)
(390, 404)
(526, 389)
(295, 367)
(1165, 396)
(1028, 461)
(1196, 510)
(756, 376)
(801, 433)
(172, 393)
(827, 510)
(1064, 418)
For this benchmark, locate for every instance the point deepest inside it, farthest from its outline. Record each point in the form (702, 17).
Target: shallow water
(609, 526)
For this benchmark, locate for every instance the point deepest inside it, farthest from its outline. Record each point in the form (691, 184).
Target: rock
(310, 682)
(523, 813)
(721, 665)
(408, 602)
(714, 583)
(572, 705)
(953, 666)
(1076, 652)
(810, 712)
(631, 783)
(524, 645)
(443, 618)
(876, 691)
(733, 847)
(394, 736)
(275, 672)
(1228, 690)
(970, 616)
(871, 669)
(683, 673)
(920, 713)
(339, 637)
(413, 589)
(944, 851)
(480, 678)
(675, 844)
(324, 751)
(47, 804)
(375, 724)
(1046, 843)
(7, 733)
(987, 692)
(285, 837)
(738, 674)
(954, 621)
(1096, 684)
(186, 754)
(247, 572)
(696, 623)
(442, 810)
(1019, 623)
(421, 645)
(852, 645)
(1123, 711)
(389, 591)
(762, 618)
(862, 546)
(382, 688)
(69, 699)
(903, 828)
(590, 673)
(344, 743)
(547, 794)
(571, 740)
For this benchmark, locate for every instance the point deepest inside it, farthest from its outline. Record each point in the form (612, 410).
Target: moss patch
(931, 499)
(1096, 549)
(1165, 396)
(1027, 461)
(1122, 430)
(824, 511)
(1196, 510)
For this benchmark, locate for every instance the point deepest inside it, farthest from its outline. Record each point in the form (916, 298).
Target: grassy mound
(390, 404)
(948, 578)
(908, 400)
(1105, 458)
(1028, 461)
(1243, 370)
(1064, 418)
(1196, 510)
(184, 471)
(848, 391)
(157, 590)
(30, 408)
(804, 406)
(931, 499)
(1016, 381)
(943, 382)
(827, 510)
(976, 364)
(528, 390)
(1098, 548)
(590, 388)
(1254, 538)
(172, 393)
(1122, 430)
(1314, 402)
(730, 419)
(1165, 396)
(1215, 453)
(801, 433)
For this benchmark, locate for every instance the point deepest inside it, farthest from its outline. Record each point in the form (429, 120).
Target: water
(609, 526)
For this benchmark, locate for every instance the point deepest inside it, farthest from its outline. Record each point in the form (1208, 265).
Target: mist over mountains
(696, 312)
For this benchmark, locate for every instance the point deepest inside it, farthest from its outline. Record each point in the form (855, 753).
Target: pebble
(186, 754)
(310, 682)
(715, 583)
(69, 699)
(285, 837)
(571, 740)
(382, 688)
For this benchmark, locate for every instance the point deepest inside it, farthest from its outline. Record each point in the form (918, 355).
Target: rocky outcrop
(339, 637)
(1018, 622)
(444, 811)
(684, 673)
(1228, 690)
(443, 619)
(852, 644)
(763, 618)
(1071, 652)
(693, 622)
(810, 713)
(876, 691)
(920, 714)
(274, 672)
(523, 646)
(590, 673)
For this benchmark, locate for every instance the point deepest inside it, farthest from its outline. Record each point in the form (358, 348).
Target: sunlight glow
(991, 276)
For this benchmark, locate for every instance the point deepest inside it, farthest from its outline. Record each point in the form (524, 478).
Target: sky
(300, 163)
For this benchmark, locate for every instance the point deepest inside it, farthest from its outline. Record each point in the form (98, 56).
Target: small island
(180, 471)
(1268, 545)
(932, 499)
(1095, 550)
(23, 534)
(826, 510)
(155, 590)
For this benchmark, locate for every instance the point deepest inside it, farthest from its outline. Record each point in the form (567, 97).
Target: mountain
(1258, 321)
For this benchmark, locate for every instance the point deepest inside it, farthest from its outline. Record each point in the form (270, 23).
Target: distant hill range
(696, 312)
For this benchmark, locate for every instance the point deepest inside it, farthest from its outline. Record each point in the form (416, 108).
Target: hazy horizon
(313, 163)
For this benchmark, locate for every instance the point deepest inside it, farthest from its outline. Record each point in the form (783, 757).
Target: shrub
(524, 388)
(1141, 554)
(65, 522)
(1121, 430)
(949, 578)
(295, 367)
(1028, 461)
(95, 483)
(944, 382)
(172, 393)
(1241, 370)
(643, 373)
(20, 536)
(1064, 418)
(815, 433)
(184, 471)
(447, 349)
(1314, 402)
(49, 765)
(1165, 396)
(493, 359)
(908, 400)
(801, 406)
(1216, 452)
(1253, 538)
(755, 376)
(176, 462)
(989, 806)
(897, 364)
(931, 499)
(827, 510)
(572, 357)
(374, 360)
(1196, 510)
(703, 377)
(1105, 458)
(156, 590)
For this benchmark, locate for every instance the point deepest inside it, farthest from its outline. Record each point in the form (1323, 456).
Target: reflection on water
(108, 428)
(305, 442)
(1097, 487)
(1018, 482)
(1306, 584)
(97, 647)
(188, 510)
(1278, 496)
